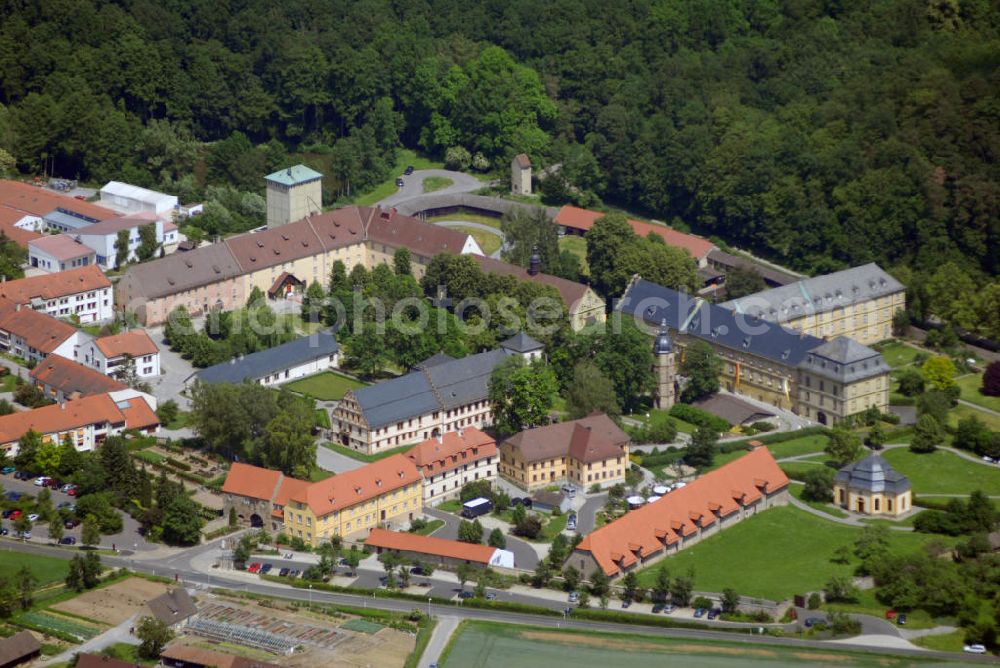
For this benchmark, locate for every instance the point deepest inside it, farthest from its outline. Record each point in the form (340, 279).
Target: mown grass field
(434, 183)
(774, 555)
(576, 245)
(971, 386)
(493, 645)
(469, 217)
(897, 354)
(46, 569)
(490, 243)
(326, 386)
(942, 472)
(827, 508)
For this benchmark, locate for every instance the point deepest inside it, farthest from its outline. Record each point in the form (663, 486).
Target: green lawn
(657, 417)
(8, 382)
(432, 526)
(552, 528)
(827, 508)
(450, 506)
(467, 216)
(961, 411)
(797, 469)
(897, 354)
(867, 604)
(149, 457)
(322, 418)
(361, 457)
(318, 474)
(776, 554)
(496, 645)
(948, 642)
(799, 446)
(942, 472)
(180, 421)
(971, 386)
(404, 157)
(326, 386)
(576, 245)
(433, 183)
(47, 569)
(490, 243)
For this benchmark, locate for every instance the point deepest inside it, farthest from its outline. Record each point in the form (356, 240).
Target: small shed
(173, 608)
(520, 175)
(549, 501)
(19, 648)
(285, 285)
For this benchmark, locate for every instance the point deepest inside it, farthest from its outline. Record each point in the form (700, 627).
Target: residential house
(258, 495)
(173, 607)
(109, 354)
(87, 421)
(574, 220)
(872, 487)
(84, 293)
(582, 303)
(103, 237)
(31, 335)
(59, 252)
(453, 459)
(19, 648)
(585, 452)
(441, 395)
(765, 360)
(298, 358)
(125, 198)
(438, 551)
(63, 379)
(714, 502)
(859, 303)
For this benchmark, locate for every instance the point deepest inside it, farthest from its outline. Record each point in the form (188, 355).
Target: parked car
(668, 608)
(15, 515)
(67, 505)
(812, 621)
(71, 491)
(714, 613)
(284, 572)
(266, 568)
(68, 486)
(658, 608)
(294, 573)
(901, 620)
(71, 524)
(6, 513)
(25, 535)
(9, 469)
(254, 567)
(416, 570)
(68, 540)
(626, 603)
(399, 183)
(14, 496)
(491, 596)
(699, 612)
(574, 597)
(34, 517)
(23, 475)
(41, 481)
(974, 649)
(408, 170)
(465, 594)
(569, 490)
(52, 483)
(4, 531)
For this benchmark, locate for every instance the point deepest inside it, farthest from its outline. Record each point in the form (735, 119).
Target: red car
(71, 491)
(14, 515)
(254, 567)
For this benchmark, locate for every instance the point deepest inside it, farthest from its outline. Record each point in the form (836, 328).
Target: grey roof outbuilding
(18, 648)
(173, 606)
(273, 360)
(521, 343)
(873, 474)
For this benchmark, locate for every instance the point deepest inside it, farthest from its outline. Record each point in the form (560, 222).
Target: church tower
(665, 369)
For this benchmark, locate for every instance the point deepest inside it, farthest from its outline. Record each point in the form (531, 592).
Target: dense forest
(820, 133)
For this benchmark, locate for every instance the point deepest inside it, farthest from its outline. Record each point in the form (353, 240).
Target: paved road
(174, 370)
(446, 626)
(328, 460)
(241, 581)
(586, 517)
(525, 555)
(413, 185)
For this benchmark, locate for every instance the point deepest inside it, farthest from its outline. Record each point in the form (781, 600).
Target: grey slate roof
(438, 387)
(845, 360)
(521, 343)
(265, 362)
(873, 474)
(818, 294)
(434, 360)
(179, 272)
(291, 176)
(173, 606)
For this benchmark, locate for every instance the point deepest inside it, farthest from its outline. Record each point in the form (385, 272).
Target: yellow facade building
(586, 452)
(872, 487)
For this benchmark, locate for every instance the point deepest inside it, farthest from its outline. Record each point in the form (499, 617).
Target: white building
(32, 336)
(454, 459)
(108, 354)
(299, 358)
(59, 252)
(84, 293)
(103, 237)
(126, 198)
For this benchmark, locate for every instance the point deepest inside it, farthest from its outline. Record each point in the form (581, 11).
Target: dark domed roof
(873, 474)
(663, 343)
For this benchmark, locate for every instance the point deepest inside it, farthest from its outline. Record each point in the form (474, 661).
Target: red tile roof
(198, 656)
(353, 487)
(39, 330)
(645, 531)
(455, 449)
(394, 229)
(71, 377)
(252, 481)
(438, 547)
(570, 291)
(38, 201)
(584, 219)
(54, 286)
(95, 409)
(138, 414)
(590, 439)
(62, 247)
(135, 343)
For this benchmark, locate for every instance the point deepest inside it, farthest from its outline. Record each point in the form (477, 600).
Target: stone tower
(292, 194)
(664, 366)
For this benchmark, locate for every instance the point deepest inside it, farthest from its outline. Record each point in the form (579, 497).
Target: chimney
(535, 263)
(62, 405)
(17, 307)
(289, 171)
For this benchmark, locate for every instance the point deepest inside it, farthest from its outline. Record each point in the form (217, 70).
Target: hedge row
(698, 417)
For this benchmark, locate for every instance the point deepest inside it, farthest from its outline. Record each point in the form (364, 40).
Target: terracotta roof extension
(649, 529)
(54, 286)
(353, 487)
(590, 439)
(39, 330)
(262, 484)
(584, 219)
(454, 449)
(72, 378)
(197, 656)
(438, 547)
(135, 343)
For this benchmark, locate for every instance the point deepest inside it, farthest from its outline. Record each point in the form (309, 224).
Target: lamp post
(310, 597)
(428, 606)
